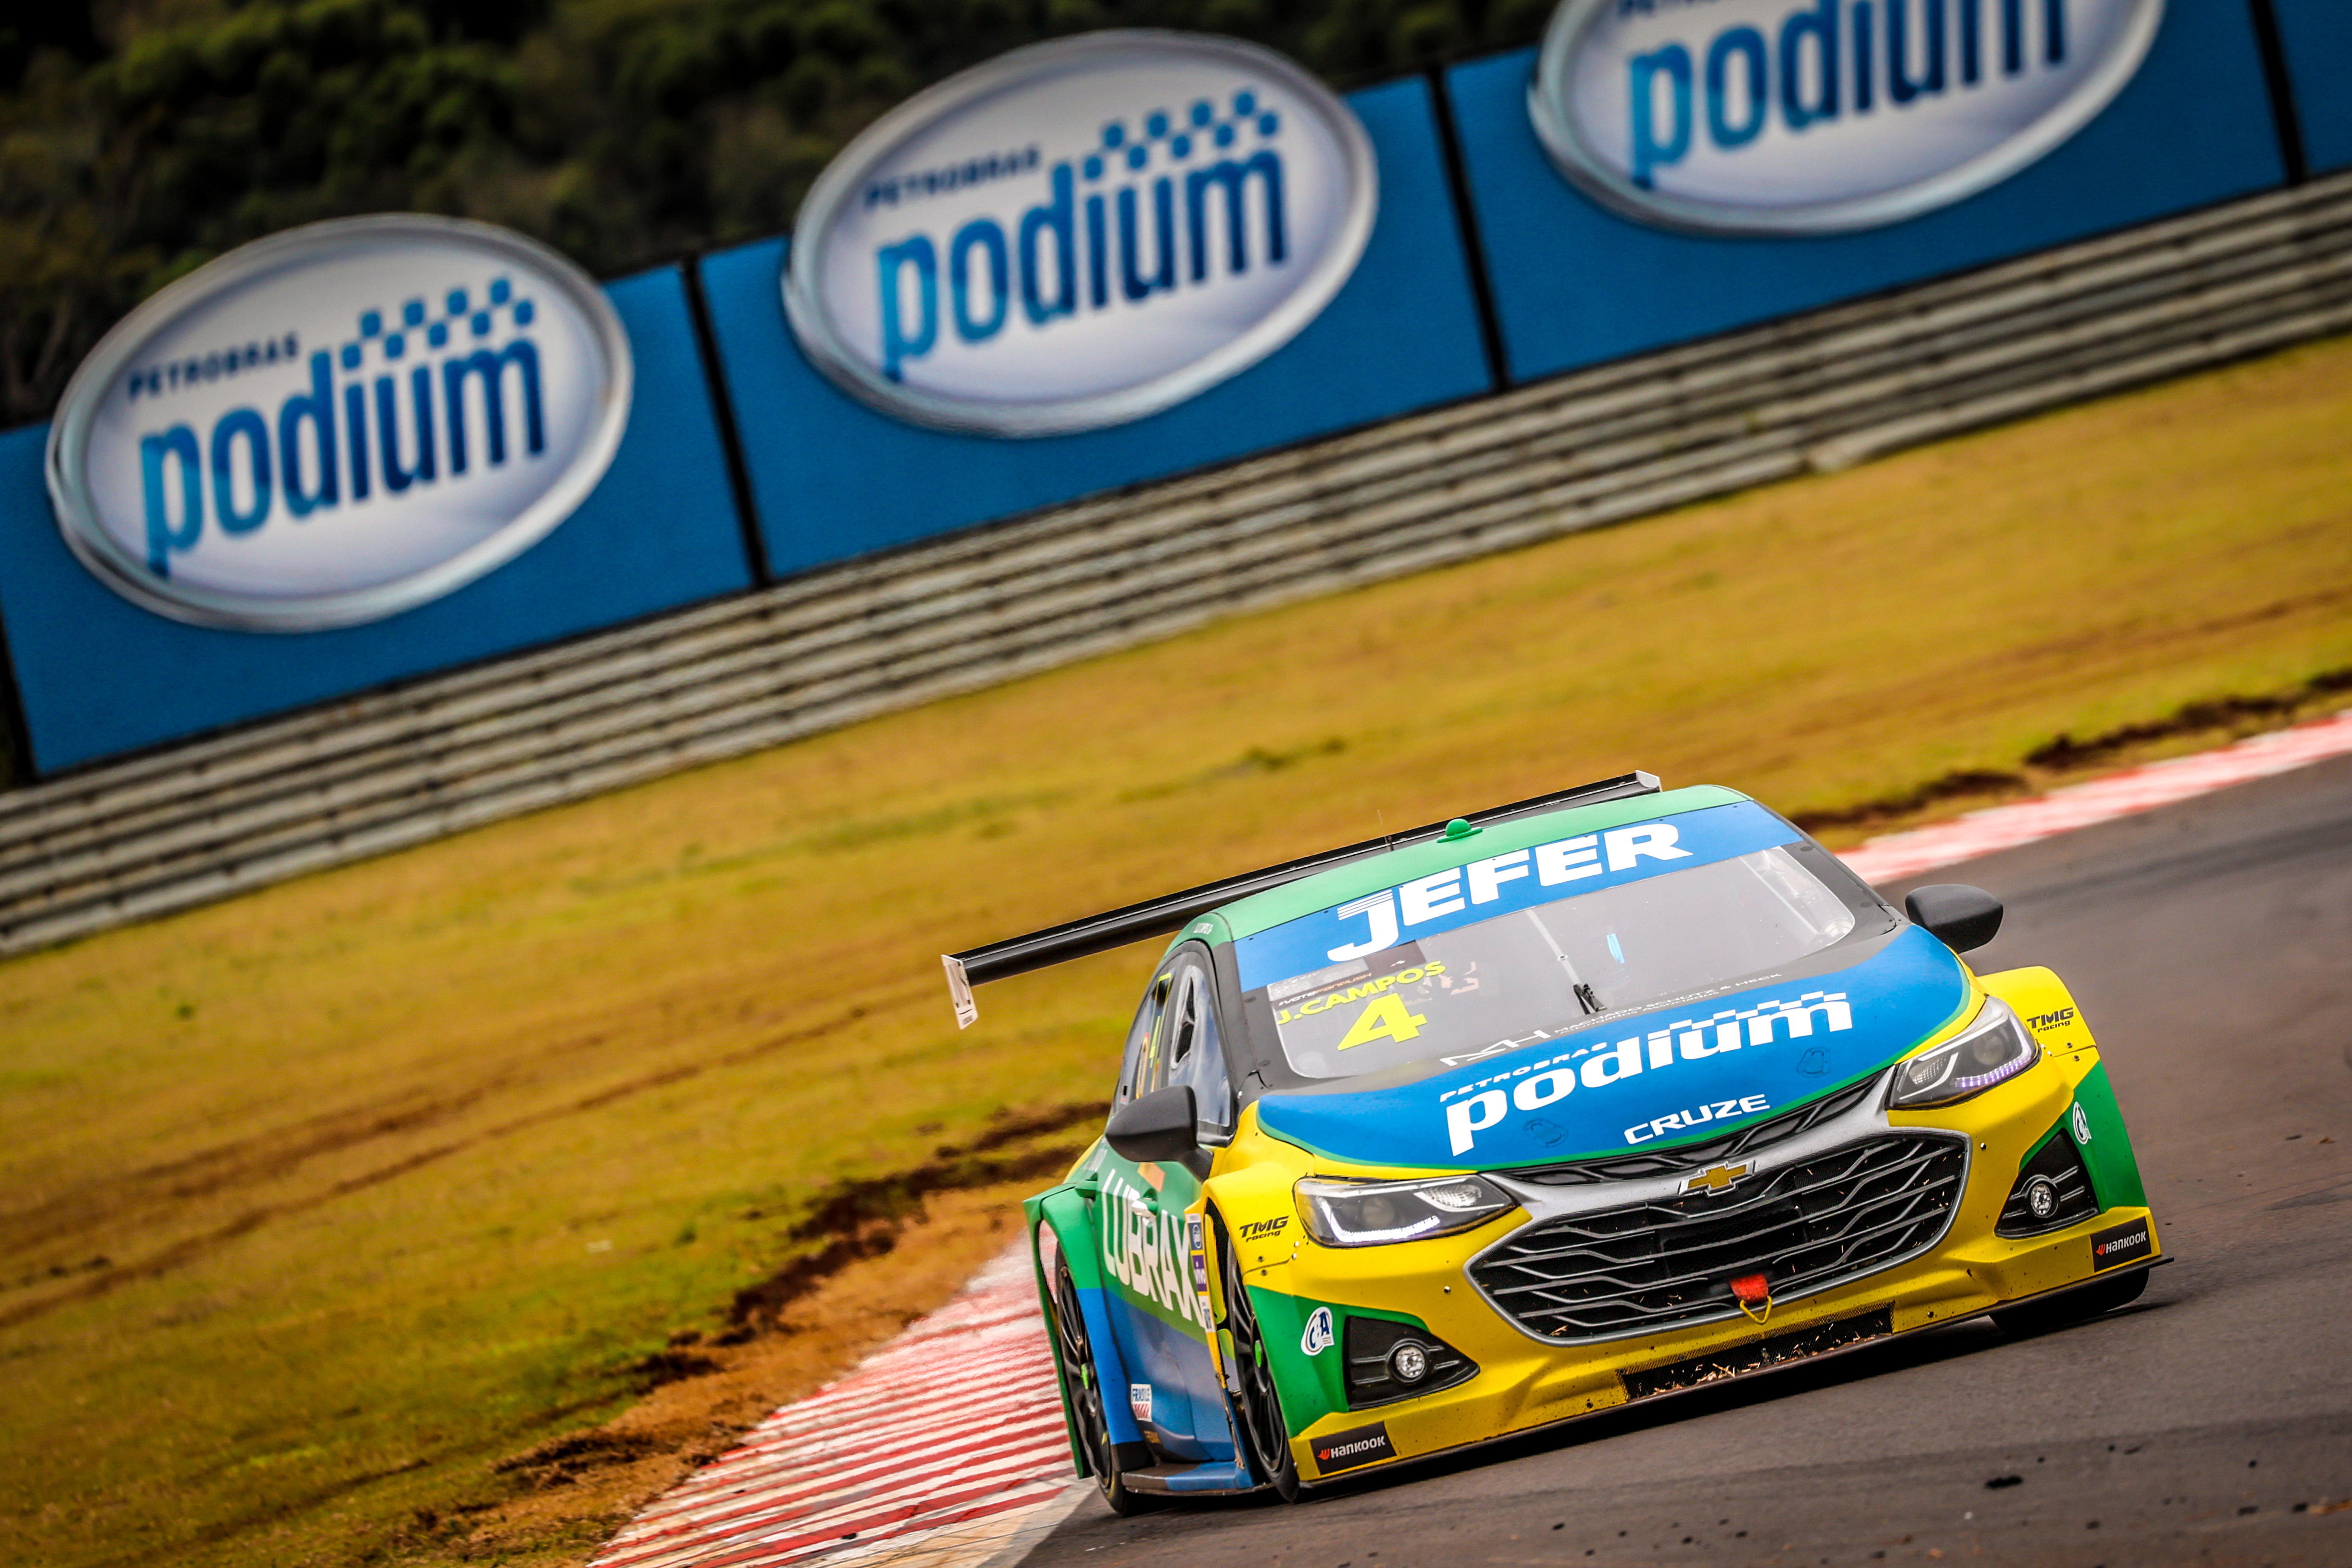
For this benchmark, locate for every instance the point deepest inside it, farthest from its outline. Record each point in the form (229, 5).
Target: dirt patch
(561, 1463)
(669, 1366)
(2192, 719)
(855, 1219)
(240, 1163)
(1958, 784)
(100, 1275)
(2063, 757)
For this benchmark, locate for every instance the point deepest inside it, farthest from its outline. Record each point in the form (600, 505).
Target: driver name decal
(1442, 893)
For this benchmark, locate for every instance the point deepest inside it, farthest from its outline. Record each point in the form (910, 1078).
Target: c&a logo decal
(1080, 233)
(1354, 1448)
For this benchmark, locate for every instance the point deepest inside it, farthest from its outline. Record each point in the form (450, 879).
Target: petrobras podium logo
(1769, 116)
(1080, 233)
(339, 421)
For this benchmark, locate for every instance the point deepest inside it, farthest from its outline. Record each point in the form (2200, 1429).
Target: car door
(1151, 1230)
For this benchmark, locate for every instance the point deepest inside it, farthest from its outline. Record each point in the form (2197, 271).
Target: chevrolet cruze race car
(1523, 1117)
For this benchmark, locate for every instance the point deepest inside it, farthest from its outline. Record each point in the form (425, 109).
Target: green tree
(623, 132)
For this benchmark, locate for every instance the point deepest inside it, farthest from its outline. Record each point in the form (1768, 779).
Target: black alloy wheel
(1085, 1389)
(1263, 1430)
(2072, 1306)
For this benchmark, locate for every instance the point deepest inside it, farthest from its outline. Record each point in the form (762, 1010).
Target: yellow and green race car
(1525, 1116)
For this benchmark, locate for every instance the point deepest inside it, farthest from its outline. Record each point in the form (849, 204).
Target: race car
(1527, 1115)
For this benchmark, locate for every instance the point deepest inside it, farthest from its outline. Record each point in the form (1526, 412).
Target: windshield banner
(1644, 1083)
(1516, 880)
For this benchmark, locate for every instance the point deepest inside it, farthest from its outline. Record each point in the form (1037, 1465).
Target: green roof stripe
(1249, 916)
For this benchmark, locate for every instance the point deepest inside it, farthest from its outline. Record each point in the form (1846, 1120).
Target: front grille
(2060, 1164)
(1367, 1343)
(1699, 1156)
(1664, 1264)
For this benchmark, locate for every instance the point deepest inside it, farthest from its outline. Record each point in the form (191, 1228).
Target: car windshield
(1546, 968)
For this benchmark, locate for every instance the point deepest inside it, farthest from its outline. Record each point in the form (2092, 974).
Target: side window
(1144, 1067)
(1196, 1054)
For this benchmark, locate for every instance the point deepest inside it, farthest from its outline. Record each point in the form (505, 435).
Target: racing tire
(1084, 1386)
(2072, 1306)
(1258, 1408)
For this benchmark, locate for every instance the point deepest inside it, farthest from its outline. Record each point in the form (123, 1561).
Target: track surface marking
(1898, 855)
(938, 1448)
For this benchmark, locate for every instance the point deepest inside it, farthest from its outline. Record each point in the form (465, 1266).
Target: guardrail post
(1466, 218)
(722, 413)
(2273, 45)
(15, 735)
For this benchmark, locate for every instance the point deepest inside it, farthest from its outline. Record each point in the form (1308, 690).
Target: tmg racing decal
(1149, 1252)
(1603, 1064)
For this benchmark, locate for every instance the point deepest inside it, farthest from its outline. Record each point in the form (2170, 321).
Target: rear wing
(1166, 916)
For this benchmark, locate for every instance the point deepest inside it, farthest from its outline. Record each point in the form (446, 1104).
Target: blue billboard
(365, 451)
(2316, 38)
(100, 671)
(834, 476)
(1577, 280)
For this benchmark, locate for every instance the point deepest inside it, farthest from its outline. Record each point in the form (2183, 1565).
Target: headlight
(1369, 1213)
(1993, 1050)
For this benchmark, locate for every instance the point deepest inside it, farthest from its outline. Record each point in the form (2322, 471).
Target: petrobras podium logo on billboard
(339, 421)
(1080, 233)
(1774, 116)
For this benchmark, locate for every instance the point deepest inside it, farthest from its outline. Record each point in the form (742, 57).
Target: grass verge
(333, 1214)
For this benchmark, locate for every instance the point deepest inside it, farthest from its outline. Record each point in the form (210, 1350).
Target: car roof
(1262, 912)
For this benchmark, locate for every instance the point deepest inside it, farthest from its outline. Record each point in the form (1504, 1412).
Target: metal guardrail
(213, 817)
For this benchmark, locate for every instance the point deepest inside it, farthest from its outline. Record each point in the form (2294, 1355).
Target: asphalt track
(2210, 945)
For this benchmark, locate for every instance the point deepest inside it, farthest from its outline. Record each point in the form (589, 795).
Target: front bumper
(1525, 1382)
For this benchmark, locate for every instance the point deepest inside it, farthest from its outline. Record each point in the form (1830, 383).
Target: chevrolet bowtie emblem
(1716, 1179)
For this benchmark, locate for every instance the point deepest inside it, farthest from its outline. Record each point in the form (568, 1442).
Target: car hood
(1648, 1081)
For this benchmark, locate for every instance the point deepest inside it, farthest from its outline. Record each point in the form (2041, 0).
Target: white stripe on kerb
(1898, 855)
(943, 1449)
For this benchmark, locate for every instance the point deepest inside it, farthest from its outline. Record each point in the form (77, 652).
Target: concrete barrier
(202, 820)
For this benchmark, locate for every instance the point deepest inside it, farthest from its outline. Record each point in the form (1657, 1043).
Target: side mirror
(1962, 917)
(1157, 1126)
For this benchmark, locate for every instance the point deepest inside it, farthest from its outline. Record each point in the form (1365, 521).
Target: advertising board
(837, 473)
(339, 421)
(101, 673)
(1757, 116)
(2316, 36)
(1080, 233)
(2122, 113)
